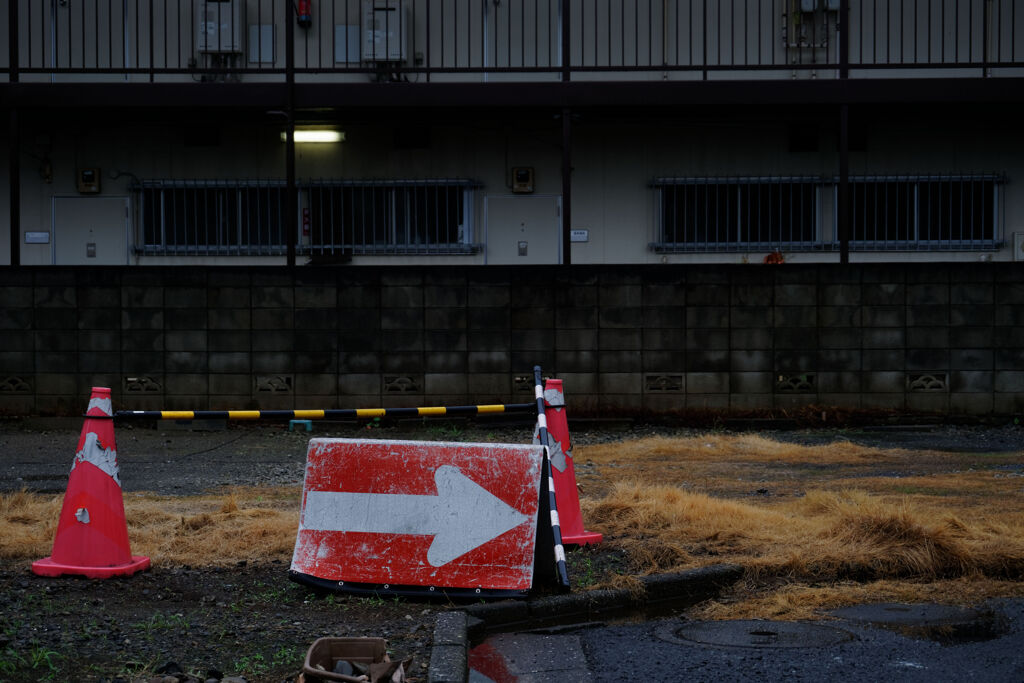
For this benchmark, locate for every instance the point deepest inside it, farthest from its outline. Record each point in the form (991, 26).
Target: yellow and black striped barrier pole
(342, 414)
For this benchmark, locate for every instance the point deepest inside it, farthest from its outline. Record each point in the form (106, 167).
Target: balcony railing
(475, 40)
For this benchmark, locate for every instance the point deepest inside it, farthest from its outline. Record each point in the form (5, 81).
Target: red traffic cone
(92, 535)
(562, 471)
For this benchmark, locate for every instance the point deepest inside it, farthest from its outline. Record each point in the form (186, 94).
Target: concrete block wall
(925, 337)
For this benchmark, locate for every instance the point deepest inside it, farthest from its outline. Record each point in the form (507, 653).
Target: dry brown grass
(250, 524)
(779, 600)
(817, 527)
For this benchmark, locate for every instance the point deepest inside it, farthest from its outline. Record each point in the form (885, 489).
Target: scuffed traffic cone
(562, 470)
(92, 535)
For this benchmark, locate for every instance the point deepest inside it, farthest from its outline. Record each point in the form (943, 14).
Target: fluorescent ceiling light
(315, 135)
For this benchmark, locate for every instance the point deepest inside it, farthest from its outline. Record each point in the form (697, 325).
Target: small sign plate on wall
(580, 235)
(37, 238)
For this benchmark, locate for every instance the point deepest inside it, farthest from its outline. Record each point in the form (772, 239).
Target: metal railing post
(566, 186)
(843, 198)
(291, 203)
(14, 140)
(566, 40)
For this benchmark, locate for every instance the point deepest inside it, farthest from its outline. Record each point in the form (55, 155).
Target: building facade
(610, 143)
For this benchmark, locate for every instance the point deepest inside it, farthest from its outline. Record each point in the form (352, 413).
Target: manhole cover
(942, 623)
(755, 633)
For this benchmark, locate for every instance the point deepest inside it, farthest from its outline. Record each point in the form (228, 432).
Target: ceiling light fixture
(315, 135)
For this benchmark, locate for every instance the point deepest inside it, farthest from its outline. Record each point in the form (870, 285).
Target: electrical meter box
(219, 26)
(386, 30)
(522, 179)
(88, 180)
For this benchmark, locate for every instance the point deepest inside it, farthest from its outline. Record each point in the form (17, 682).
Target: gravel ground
(180, 623)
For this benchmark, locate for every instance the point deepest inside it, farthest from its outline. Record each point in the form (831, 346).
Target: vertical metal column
(14, 138)
(843, 210)
(843, 196)
(291, 201)
(566, 186)
(566, 43)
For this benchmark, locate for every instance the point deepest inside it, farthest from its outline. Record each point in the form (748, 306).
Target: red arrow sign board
(419, 513)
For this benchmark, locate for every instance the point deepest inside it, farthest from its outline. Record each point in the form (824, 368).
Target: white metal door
(90, 231)
(523, 229)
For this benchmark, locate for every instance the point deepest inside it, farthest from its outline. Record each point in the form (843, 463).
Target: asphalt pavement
(677, 649)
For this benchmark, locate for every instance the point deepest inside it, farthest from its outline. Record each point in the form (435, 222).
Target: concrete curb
(454, 630)
(450, 649)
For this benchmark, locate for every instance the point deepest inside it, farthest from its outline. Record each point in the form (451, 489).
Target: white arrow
(462, 516)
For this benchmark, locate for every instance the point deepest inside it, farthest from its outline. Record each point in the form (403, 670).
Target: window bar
(167, 196)
(110, 37)
(860, 32)
(636, 32)
(13, 63)
(318, 217)
(367, 213)
(759, 228)
(442, 32)
(162, 202)
(949, 205)
(82, 40)
(469, 41)
(253, 232)
(718, 37)
(689, 33)
(179, 226)
(746, 32)
(974, 230)
(797, 189)
(536, 36)
(963, 217)
(508, 32)
(323, 221)
(348, 227)
(241, 196)
(203, 236)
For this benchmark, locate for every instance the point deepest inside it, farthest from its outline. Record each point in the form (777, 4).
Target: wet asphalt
(675, 649)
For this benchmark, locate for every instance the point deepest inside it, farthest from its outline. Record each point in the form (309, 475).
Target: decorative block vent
(927, 382)
(663, 384)
(403, 384)
(274, 384)
(141, 384)
(15, 385)
(524, 384)
(795, 384)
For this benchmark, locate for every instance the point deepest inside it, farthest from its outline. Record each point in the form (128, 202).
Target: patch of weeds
(273, 594)
(253, 665)
(445, 432)
(372, 601)
(585, 573)
(11, 628)
(288, 658)
(40, 657)
(133, 669)
(11, 661)
(163, 622)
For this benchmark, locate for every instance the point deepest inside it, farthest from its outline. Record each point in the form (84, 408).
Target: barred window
(206, 218)
(717, 214)
(391, 217)
(925, 212)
